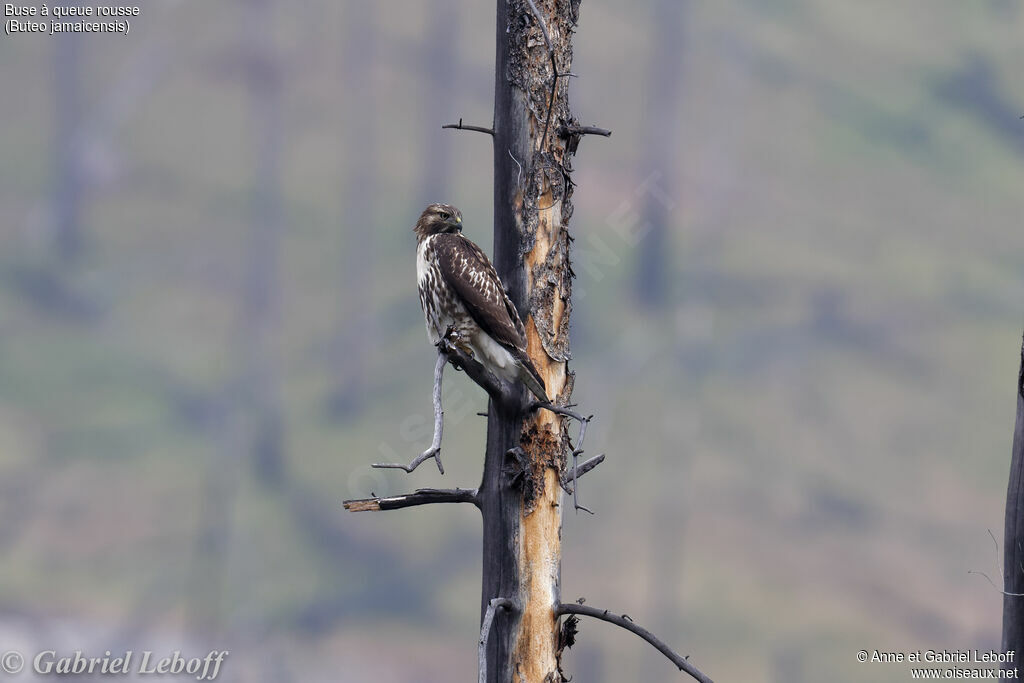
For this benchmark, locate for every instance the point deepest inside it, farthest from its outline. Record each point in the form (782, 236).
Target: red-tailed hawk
(460, 290)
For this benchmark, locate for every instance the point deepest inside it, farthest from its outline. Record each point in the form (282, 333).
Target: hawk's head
(438, 218)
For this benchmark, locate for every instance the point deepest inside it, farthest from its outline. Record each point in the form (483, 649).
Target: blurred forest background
(798, 317)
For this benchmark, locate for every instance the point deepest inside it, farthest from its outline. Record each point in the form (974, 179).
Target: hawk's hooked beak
(455, 223)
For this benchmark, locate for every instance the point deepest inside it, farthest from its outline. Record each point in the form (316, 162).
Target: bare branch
(460, 126)
(485, 630)
(625, 622)
(558, 410)
(569, 131)
(575, 466)
(408, 500)
(579, 471)
(435, 446)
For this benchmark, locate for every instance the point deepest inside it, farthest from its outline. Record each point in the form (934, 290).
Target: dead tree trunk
(532, 207)
(534, 136)
(1013, 540)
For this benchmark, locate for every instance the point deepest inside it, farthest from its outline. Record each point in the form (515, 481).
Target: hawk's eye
(445, 215)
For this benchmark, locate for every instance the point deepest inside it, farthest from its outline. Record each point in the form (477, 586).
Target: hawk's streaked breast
(459, 289)
(441, 306)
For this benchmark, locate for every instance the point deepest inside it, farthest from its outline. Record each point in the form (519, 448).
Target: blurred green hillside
(807, 443)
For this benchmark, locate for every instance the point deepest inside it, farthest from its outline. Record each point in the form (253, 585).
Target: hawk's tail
(531, 378)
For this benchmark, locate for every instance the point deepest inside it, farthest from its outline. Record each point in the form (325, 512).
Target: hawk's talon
(451, 340)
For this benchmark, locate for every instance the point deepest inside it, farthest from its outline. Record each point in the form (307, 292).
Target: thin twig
(627, 623)
(485, 631)
(460, 126)
(575, 467)
(993, 584)
(999, 569)
(408, 500)
(435, 446)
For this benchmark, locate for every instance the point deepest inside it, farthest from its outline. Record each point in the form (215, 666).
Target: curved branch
(408, 500)
(485, 631)
(627, 623)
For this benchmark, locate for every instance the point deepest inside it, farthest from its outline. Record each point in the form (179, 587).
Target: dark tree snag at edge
(625, 622)
(1013, 540)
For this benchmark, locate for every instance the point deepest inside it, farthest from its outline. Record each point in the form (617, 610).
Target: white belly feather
(501, 361)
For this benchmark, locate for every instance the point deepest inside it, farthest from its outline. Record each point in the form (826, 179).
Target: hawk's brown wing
(468, 271)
